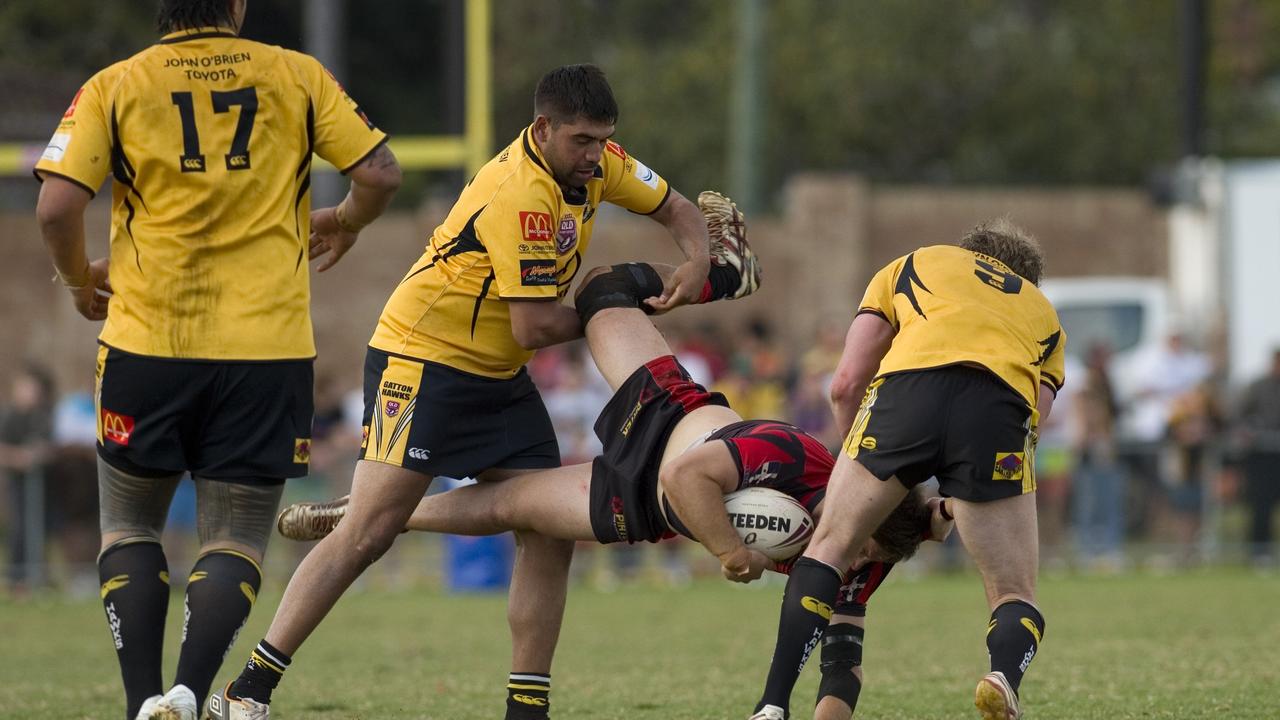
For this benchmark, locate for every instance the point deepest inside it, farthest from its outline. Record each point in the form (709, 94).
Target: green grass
(1195, 645)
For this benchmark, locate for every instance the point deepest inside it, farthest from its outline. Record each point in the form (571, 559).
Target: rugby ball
(769, 521)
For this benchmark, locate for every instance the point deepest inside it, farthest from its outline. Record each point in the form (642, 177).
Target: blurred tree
(983, 91)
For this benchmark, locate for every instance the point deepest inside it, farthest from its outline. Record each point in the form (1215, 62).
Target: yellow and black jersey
(513, 234)
(949, 306)
(209, 139)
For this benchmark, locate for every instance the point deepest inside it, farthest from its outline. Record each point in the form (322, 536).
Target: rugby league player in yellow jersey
(446, 391)
(956, 355)
(205, 364)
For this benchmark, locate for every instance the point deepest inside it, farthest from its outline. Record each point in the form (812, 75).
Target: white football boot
(223, 708)
(177, 704)
(995, 698)
(144, 712)
(770, 712)
(727, 229)
(311, 520)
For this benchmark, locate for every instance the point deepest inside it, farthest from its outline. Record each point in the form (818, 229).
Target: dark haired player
(672, 451)
(205, 362)
(446, 391)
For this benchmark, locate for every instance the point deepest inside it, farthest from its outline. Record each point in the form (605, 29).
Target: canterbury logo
(1031, 627)
(816, 606)
(419, 453)
(529, 699)
(114, 583)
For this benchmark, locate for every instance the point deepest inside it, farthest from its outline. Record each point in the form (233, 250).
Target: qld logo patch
(302, 451)
(116, 427)
(392, 408)
(567, 235)
(1008, 466)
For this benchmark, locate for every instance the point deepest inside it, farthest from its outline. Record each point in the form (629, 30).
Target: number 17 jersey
(209, 139)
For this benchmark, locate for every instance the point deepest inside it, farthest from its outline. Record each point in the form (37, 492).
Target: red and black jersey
(779, 456)
(863, 581)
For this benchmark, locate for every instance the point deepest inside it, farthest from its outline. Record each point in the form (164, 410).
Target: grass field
(1203, 644)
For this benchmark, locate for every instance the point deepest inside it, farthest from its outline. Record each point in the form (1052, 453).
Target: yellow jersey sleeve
(518, 229)
(878, 298)
(631, 184)
(344, 135)
(80, 149)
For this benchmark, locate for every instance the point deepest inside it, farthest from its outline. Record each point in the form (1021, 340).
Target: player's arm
(841, 649)
(688, 228)
(60, 213)
(539, 323)
(695, 484)
(866, 343)
(374, 181)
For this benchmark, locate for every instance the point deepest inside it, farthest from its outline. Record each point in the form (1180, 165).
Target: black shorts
(633, 428)
(436, 420)
(959, 423)
(244, 421)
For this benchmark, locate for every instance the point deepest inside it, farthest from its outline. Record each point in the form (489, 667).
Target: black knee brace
(624, 286)
(841, 653)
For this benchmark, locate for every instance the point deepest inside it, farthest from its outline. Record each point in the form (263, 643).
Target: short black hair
(572, 91)
(900, 535)
(177, 15)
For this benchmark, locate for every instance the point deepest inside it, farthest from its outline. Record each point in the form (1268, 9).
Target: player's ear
(541, 128)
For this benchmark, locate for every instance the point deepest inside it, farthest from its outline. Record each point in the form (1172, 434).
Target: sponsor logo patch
(537, 272)
(364, 437)
(1008, 466)
(619, 517)
(868, 443)
(71, 109)
(816, 606)
(646, 176)
(615, 148)
(57, 147)
(567, 235)
(535, 225)
(535, 248)
(116, 427)
(302, 450)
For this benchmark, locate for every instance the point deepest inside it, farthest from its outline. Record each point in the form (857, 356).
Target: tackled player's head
(1009, 244)
(177, 15)
(574, 117)
(900, 535)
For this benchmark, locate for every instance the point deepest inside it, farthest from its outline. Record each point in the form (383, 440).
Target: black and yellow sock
(528, 696)
(135, 595)
(806, 610)
(1013, 638)
(221, 591)
(261, 674)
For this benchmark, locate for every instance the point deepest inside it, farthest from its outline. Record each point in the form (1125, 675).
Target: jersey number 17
(192, 160)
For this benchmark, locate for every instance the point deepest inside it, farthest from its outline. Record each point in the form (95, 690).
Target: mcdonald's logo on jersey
(116, 427)
(536, 225)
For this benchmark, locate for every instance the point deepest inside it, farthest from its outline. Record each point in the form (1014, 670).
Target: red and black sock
(722, 282)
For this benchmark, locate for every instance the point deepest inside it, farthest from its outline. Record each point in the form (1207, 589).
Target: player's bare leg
(1002, 538)
(382, 498)
(535, 610)
(554, 503)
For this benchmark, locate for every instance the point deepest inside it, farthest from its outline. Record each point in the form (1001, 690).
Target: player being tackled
(672, 451)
